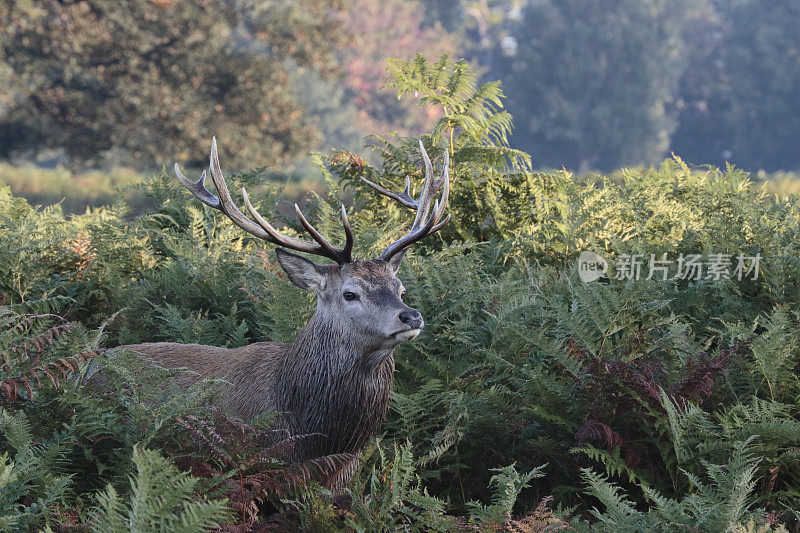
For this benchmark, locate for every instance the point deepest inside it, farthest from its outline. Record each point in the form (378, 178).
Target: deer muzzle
(412, 318)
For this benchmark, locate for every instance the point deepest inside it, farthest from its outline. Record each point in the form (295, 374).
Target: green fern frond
(161, 499)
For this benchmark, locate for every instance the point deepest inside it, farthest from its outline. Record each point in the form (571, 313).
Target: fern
(31, 473)
(649, 383)
(394, 498)
(161, 499)
(507, 485)
(31, 348)
(248, 462)
(720, 504)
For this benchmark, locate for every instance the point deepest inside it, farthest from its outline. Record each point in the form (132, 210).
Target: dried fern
(28, 353)
(252, 463)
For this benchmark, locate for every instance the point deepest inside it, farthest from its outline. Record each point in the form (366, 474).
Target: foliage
(149, 79)
(737, 106)
(625, 61)
(394, 498)
(250, 462)
(161, 499)
(23, 365)
(531, 401)
(710, 80)
(719, 504)
(507, 485)
(489, 179)
(397, 29)
(30, 475)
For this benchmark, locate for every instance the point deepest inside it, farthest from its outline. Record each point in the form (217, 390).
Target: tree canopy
(592, 85)
(155, 78)
(742, 100)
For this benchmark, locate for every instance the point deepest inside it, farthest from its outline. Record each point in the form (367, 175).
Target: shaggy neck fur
(330, 383)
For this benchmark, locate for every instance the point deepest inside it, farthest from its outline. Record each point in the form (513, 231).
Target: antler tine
(348, 234)
(198, 188)
(400, 245)
(301, 245)
(444, 183)
(404, 197)
(261, 228)
(423, 224)
(430, 187)
(226, 203)
(318, 236)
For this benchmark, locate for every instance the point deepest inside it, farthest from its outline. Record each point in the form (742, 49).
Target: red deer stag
(336, 377)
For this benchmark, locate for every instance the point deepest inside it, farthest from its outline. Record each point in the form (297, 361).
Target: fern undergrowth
(533, 401)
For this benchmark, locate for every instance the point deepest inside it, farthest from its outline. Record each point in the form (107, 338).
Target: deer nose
(412, 318)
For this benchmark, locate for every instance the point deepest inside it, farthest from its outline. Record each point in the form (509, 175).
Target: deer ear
(396, 259)
(301, 271)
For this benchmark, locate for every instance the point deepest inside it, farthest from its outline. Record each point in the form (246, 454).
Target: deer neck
(325, 343)
(331, 384)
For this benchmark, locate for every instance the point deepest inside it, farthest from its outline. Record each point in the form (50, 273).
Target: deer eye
(349, 296)
(403, 295)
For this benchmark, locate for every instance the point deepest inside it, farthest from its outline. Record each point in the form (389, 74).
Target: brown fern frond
(274, 484)
(197, 467)
(592, 429)
(259, 435)
(267, 437)
(43, 340)
(65, 366)
(322, 468)
(32, 348)
(234, 424)
(256, 459)
(191, 424)
(27, 384)
(24, 321)
(281, 450)
(9, 389)
(53, 378)
(82, 357)
(35, 374)
(82, 254)
(702, 370)
(212, 432)
(61, 367)
(540, 520)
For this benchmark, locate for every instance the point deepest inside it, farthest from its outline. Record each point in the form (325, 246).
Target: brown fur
(334, 379)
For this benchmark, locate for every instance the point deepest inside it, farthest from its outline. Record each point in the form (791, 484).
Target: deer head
(363, 298)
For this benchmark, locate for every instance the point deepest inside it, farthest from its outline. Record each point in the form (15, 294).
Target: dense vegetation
(149, 78)
(593, 84)
(533, 401)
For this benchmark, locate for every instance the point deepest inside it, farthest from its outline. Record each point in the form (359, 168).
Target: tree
(592, 82)
(393, 28)
(483, 27)
(742, 102)
(701, 80)
(154, 79)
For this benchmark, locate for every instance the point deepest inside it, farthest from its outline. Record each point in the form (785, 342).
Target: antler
(423, 224)
(261, 228)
